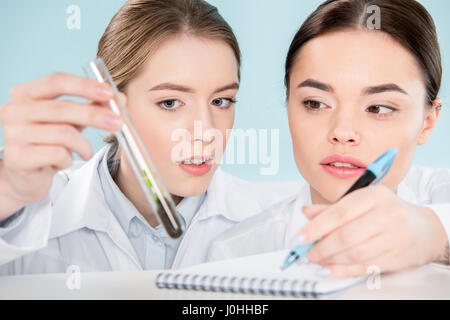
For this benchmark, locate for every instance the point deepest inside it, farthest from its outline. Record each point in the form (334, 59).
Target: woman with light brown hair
(177, 63)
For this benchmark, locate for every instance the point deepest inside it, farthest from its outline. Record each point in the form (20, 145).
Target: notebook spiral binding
(246, 285)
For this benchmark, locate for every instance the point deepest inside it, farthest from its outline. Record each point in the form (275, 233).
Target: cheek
(306, 134)
(400, 167)
(157, 140)
(400, 134)
(156, 137)
(405, 142)
(223, 122)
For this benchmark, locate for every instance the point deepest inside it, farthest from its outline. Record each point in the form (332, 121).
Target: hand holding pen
(371, 227)
(372, 175)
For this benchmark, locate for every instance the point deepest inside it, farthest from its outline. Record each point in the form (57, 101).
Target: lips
(196, 165)
(343, 166)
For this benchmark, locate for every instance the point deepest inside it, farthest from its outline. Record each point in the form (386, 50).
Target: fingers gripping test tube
(131, 143)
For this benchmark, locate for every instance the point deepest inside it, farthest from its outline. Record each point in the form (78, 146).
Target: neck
(129, 185)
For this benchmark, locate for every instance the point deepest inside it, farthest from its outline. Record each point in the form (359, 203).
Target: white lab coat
(274, 228)
(73, 226)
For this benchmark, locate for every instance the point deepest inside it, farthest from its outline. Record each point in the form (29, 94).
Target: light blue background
(35, 42)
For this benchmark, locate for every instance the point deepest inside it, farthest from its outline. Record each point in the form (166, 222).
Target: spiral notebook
(257, 274)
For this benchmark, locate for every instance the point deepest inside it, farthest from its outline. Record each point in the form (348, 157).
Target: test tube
(131, 143)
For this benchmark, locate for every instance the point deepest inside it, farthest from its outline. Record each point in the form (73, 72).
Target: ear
(429, 121)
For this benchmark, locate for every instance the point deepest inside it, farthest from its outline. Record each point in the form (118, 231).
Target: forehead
(190, 59)
(357, 58)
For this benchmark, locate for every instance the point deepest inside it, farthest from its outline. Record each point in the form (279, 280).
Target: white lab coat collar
(406, 193)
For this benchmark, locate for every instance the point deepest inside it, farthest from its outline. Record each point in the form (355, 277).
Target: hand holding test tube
(131, 143)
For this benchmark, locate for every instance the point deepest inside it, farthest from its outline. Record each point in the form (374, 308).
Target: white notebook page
(267, 266)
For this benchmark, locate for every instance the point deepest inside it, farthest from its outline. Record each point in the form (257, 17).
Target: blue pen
(373, 174)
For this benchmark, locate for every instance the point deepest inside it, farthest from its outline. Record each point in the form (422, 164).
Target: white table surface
(428, 282)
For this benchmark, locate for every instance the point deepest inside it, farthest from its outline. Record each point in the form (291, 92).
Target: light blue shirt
(153, 247)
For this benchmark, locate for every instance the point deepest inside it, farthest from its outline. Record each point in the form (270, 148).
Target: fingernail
(103, 91)
(113, 121)
(297, 240)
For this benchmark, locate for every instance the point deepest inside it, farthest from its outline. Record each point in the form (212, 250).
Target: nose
(343, 130)
(202, 122)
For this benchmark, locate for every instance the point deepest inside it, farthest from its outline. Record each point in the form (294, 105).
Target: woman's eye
(380, 109)
(223, 102)
(169, 104)
(314, 105)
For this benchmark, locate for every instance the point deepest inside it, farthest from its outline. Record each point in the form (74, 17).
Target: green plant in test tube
(149, 183)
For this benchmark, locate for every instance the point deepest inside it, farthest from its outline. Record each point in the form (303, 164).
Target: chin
(329, 194)
(189, 189)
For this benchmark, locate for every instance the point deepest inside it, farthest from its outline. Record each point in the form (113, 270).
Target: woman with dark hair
(353, 92)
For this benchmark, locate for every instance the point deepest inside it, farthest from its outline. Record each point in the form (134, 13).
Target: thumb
(312, 211)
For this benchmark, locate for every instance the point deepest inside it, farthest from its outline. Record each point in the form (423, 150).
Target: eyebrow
(234, 86)
(177, 87)
(384, 88)
(316, 84)
(368, 90)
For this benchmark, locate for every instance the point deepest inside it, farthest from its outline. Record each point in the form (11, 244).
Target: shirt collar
(189, 206)
(119, 205)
